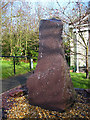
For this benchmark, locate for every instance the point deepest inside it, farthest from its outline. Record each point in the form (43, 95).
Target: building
(80, 38)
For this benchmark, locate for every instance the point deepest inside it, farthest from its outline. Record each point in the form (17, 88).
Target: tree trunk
(87, 71)
(26, 41)
(11, 31)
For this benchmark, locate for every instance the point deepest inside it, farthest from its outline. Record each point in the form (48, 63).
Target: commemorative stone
(50, 86)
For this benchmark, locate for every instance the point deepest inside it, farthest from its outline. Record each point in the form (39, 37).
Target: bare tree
(75, 18)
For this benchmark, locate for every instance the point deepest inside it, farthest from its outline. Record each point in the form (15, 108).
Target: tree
(11, 41)
(23, 22)
(19, 29)
(5, 29)
(74, 17)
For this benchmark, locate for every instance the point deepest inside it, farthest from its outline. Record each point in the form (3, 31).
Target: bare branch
(75, 39)
(81, 35)
(5, 5)
(63, 12)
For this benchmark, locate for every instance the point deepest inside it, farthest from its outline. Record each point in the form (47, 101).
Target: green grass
(79, 80)
(8, 68)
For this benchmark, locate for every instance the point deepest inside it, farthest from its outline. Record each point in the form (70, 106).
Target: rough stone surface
(16, 93)
(50, 86)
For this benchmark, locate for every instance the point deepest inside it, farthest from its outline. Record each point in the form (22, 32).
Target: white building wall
(89, 50)
(72, 56)
(89, 61)
(81, 49)
(81, 60)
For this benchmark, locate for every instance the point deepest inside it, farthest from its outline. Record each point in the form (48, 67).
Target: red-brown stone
(16, 93)
(50, 86)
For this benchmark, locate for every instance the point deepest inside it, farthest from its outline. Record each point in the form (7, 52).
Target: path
(14, 81)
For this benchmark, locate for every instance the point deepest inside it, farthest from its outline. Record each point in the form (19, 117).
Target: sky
(43, 1)
(47, 3)
(55, 0)
(53, 3)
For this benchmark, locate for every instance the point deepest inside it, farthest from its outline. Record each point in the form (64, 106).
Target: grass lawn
(79, 80)
(8, 68)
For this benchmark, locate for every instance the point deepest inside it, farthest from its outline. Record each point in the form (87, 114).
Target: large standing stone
(50, 86)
